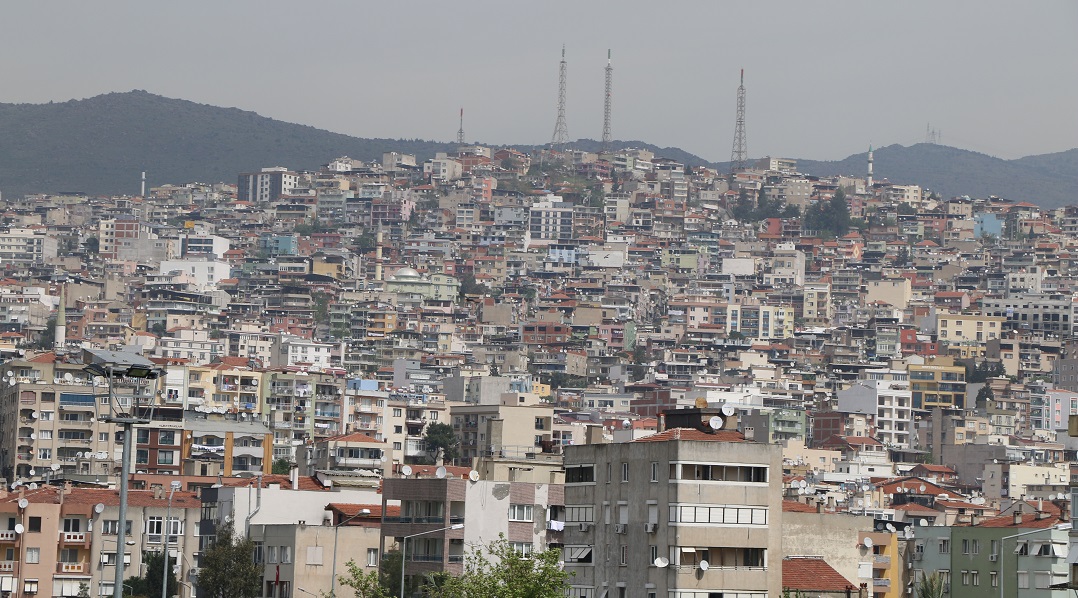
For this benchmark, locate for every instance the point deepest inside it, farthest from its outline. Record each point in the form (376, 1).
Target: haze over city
(824, 79)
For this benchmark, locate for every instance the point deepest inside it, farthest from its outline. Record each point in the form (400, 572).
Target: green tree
(441, 436)
(93, 245)
(389, 572)
(282, 466)
(154, 563)
(931, 586)
(363, 584)
(498, 570)
(84, 590)
(985, 396)
(228, 569)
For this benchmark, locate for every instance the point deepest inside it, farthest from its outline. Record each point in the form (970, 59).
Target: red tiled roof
(1028, 521)
(812, 574)
(792, 506)
(694, 434)
(111, 498)
(356, 437)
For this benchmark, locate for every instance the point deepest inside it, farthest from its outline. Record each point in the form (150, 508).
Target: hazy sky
(823, 79)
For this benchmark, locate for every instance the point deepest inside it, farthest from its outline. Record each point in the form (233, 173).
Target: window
(45, 454)
(142, 456)
(286, 554)
(965, 578)
(45, 434)
(396, 412)
(33, 555)
(29, 586)
(945, 547)
(34, 524)
(580, 475)
(110, 527)
(167, 437)
(1023, 580)
(522, 548)
(583, 514)
(625, 472)
(142, 436)
(655, 471)
(624, 555)
(72, 525)
(975, 577)
(520, 513)
(258, 553)
(166, 457)
(993, 576)
(372, 557)
(103, 437)
(271, 554)
(577, 554)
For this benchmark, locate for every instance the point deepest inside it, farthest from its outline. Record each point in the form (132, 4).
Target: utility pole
(561, 131)
(605, 147)
(739, 153)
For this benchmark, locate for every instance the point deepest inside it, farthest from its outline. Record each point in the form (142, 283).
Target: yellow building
(966, 334)
(938, 382)
(881, 550)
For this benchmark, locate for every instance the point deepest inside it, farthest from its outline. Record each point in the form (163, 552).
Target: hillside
(99, 146)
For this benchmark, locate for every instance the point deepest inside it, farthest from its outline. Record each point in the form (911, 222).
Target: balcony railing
(7, 566)
(71, 568)
(7, 536)
(77, 537)
(881, 561)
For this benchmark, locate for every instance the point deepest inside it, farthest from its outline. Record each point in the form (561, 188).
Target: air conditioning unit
(619, 528)
(585, 527)
(993, 557)
(918, 556)
(651, 527)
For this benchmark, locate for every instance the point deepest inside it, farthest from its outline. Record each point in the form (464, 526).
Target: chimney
(1064, 510)
(1018, 517)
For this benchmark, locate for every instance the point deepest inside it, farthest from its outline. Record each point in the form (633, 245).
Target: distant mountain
(99, 146)
(1049, 180)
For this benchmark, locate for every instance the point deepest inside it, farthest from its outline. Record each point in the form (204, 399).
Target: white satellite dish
(33, 435)
(406, 470)
(704, 565)
(440, 473)
(801, 491)
(19, 528)
(33, 485)
(33, 472)
(923, 488)
(727, 410)
(102, 455)
(890, 528)
(384, 458)
(92, 419)
(55, 466)
(661, 562)
(99, 508)
(922, 522)
(473, 475)
(68, 378)
(626, 424)
(78, 455)
(34, 415)
(804, 484)
(23, 503)
(860, 503)
(866, 488)
(868, 542)
(715, 422)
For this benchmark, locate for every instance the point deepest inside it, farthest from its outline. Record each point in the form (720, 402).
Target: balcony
(880, 561)
(8, 536)
(7, 566)
(358, 462)
(72, 568)
(73, 537)
(879, 582)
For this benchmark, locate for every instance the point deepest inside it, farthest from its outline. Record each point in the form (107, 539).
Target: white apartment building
(26, 247)
(550, 219)
(885, 396)
(206, 273)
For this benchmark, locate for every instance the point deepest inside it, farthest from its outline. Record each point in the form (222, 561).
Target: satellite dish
(55, 466)
(384, 458)
(715, 422)
(661, 562)
(860, 503)
(23, 503)
(33, 485)
(33, 472)
(804, 484)
(34, 415)
(68, 378)
(440, 473)
(727, 410)
(908, 533)
(78, 455)
(11, 382)
(102, 455)
(704, 565)
(473, 475)
(995, 461)
(923, 488)
(99, 508)
(33, 435)
(865, 488)
(701, 403)
(922, 522)
(868, 542)
(890, 528)
(19, 528)
(406, 470)
(800, 491)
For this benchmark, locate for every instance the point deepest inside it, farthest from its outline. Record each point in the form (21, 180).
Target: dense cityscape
(677, 381)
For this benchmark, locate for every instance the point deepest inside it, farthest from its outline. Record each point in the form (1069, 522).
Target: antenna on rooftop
(739, 153)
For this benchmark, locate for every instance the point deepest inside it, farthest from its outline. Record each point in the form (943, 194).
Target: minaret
(868, 180)
(61, 325)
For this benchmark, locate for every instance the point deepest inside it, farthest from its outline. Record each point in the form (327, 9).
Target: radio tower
(561, 130)
(605, 147)
(460, 131)
(738, 155)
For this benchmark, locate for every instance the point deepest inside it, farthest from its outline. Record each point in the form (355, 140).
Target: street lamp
(404, 547)
(173, 487)
(336, 529)
(107, 364)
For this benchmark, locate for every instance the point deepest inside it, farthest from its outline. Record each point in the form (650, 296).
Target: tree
(93, 245)
(228, 568)
(440, 436)
(985, 396)
(931, 586)
(498, 570)
(282, 466)
(154, 563)
(390, 572)
(363, 584)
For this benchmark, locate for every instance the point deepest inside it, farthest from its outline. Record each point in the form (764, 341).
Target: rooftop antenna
(561, 130)
(460, 131)
(738, 155)
(605, 147)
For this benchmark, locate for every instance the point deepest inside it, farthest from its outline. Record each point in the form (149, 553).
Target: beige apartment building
(966, 335)
(681, 514)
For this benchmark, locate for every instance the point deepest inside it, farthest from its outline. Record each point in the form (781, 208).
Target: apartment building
(506, 429)
(26, 247)
(267, 185)
(889, 402)
(966, 335)
(937, 382)
(680, 514)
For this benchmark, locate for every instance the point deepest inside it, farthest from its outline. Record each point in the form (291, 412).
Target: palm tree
(931, 586)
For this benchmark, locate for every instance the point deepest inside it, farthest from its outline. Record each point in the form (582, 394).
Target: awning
(687, 549)
(1059, 550)
(1019, 546)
